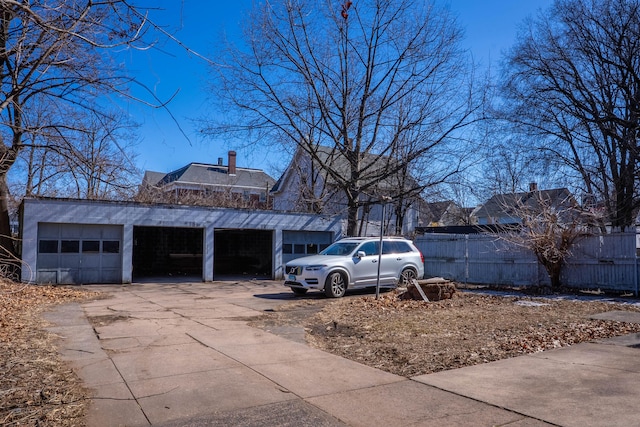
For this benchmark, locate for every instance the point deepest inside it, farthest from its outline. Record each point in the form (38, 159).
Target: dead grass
(411, 338)
(36, 387)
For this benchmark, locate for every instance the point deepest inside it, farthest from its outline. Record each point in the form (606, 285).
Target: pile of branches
(36, 388)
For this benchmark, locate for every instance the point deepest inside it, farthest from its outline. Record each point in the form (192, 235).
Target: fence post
(466, 258)
(636, 277)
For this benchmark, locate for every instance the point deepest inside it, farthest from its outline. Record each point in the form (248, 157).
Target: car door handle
(374, 261)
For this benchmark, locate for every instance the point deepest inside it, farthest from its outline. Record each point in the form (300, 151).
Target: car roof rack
(372, 237)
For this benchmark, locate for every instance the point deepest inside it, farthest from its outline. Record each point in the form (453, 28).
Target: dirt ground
(413, 337)
(403, 337)
(36, 387)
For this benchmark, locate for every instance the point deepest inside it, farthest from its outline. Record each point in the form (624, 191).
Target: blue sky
(490, 27)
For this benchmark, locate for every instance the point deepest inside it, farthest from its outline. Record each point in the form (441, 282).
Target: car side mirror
(360, 254)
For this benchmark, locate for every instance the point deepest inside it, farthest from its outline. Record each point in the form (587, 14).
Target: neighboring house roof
(152, 178)
(446, 213)
(202, 174)
(278, 186)
(512, 205)
(373, 165)
(434, 211)
(469, 229)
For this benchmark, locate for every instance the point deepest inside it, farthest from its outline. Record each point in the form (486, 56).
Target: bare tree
(55, 53)
(362, 78)
(100, 161)
(219, 197)
(508, 169)
(572, 84)
(550, 229)
(91, 158)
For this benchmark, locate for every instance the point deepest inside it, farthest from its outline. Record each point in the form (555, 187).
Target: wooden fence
(605, 262)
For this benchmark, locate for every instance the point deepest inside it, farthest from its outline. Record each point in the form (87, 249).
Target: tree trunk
(352, 219)
(8, 254)
(553, 270)
(400, 214)
(364, 218)
(7, 247)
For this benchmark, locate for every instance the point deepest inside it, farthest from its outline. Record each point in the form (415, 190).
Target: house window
(287, 248)
(298, 249)
(312, 248)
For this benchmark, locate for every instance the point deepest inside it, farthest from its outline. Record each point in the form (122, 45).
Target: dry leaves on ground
(411, 338)
(36, 387)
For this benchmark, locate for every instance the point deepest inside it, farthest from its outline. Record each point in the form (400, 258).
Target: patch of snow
(530, 303)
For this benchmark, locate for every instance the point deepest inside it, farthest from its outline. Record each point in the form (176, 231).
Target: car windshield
(340, 248)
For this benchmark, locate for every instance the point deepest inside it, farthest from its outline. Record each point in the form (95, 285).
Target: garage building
(68, 241)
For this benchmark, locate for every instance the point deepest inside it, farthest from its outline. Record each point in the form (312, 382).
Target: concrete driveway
(183, 355)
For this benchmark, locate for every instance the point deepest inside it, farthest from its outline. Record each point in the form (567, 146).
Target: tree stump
(433, 289)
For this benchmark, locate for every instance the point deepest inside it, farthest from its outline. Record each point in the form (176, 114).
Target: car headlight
(314, 267)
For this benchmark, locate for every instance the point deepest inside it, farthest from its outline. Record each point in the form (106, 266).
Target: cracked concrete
(183, 355)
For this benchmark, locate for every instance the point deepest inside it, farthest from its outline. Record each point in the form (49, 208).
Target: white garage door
(75, 254)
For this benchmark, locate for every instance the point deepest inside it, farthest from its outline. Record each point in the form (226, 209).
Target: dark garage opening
(167, 252)
(243, 253)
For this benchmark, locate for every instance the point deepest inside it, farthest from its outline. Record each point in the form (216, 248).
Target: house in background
(204, 184)
(509, 208)
(445, 214)
(307, 188)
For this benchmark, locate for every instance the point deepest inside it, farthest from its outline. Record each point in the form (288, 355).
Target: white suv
(353, 263)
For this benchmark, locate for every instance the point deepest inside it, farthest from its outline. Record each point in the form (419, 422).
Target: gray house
(306, 187)
(444, 214)
(68, 241)
(209, 185)
(508, 208)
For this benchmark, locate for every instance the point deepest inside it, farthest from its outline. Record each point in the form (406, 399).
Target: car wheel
(299, 291)
(335, 285)
(406, 276)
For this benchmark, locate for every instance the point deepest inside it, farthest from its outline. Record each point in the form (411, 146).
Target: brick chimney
(232, 163)
(533, 186)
